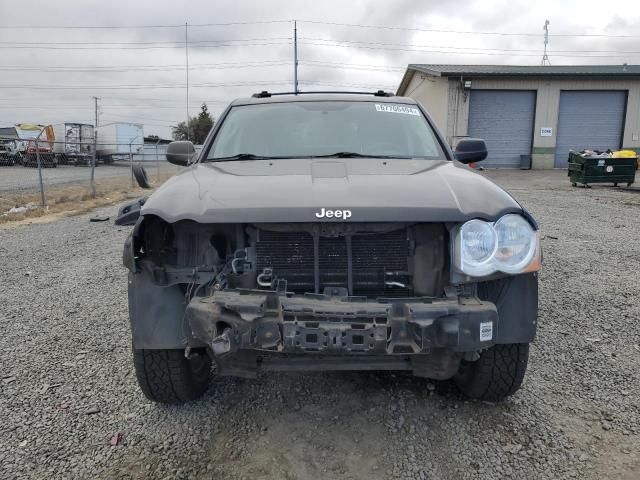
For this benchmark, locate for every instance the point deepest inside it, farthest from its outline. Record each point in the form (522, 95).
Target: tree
(198, 129)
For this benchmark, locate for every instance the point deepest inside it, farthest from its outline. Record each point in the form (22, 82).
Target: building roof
(150, 139)
(491, 70)
(469, 71)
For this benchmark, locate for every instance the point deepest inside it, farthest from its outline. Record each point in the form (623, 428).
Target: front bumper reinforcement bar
(234, 320)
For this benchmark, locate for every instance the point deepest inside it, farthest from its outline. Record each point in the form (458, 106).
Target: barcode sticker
(391, 108)
(486, 331)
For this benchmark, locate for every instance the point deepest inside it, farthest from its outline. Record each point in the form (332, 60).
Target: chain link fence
(36, 173)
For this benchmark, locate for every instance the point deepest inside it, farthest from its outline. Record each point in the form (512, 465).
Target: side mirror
(469, 150)
(181, 152)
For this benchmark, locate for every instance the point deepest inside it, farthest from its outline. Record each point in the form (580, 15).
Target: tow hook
(222, 343)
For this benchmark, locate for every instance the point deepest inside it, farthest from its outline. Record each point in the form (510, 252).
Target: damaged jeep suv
(330, 231)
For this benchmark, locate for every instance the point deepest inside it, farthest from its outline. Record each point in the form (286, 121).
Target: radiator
(379, 262)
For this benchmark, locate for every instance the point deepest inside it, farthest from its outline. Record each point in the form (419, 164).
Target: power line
(508, 50)
(146, 124)
(466, 32)
(80, 107)
(348, 85)
(514, 54)
(135, 87)
(313, 22)
(108, 106)
(143, 68)
(356, 66)
(311, 63)
(279, 40)
(148, 101)
(172, 43)
(129, 27)
(177, 45)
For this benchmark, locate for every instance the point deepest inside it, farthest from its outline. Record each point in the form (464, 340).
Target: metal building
(531, 114)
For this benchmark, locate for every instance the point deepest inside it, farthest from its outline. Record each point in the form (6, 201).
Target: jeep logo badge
(326, 213)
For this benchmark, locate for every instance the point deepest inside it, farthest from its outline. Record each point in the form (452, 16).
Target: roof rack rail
(265, 94)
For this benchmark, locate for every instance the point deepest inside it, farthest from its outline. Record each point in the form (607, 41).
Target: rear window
(307, 129)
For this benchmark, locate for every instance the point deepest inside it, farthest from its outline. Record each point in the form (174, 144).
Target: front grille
(376, 258)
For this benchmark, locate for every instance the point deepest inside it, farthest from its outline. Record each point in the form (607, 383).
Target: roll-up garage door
(589, 119)
(504, 119)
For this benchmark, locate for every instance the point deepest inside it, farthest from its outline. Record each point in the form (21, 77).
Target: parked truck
(74, 143)
(8, 152)
(23, 135)
(117, 141)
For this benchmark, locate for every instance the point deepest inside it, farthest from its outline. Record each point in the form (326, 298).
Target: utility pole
(295, 57)
(95, 104)
(42, 201)
(545, 57)
(186, 61)
(95, 146)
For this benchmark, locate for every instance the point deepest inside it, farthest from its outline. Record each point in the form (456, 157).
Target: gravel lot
(67, 384)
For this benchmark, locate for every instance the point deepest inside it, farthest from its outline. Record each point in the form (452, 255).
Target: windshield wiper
(240, 156)
(251, 156)
(356, 155)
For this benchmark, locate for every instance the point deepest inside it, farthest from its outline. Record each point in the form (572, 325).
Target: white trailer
(118, 140)
(73, 143)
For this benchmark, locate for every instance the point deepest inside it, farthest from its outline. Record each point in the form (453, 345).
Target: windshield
(310, 129)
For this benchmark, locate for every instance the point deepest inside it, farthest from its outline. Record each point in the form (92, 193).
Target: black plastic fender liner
(156, 315)
(516, 299)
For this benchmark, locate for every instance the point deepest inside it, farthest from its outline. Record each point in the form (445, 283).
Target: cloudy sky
(136, 65)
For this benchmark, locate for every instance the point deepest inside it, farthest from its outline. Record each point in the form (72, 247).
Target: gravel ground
(67, 389)
(18, 178)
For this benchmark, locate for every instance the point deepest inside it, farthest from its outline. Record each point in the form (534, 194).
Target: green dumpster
(587, 169)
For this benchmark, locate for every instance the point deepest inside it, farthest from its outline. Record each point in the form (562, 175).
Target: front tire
(167, 376)
(498, 373)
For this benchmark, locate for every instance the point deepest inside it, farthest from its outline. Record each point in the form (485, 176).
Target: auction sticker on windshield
(385, 107)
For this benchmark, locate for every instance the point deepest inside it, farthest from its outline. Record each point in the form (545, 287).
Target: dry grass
(69, 200)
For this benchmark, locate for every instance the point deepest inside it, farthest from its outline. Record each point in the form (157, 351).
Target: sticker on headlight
(386, 107)
(486, 331)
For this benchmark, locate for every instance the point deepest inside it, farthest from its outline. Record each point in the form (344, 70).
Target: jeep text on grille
(326, 213)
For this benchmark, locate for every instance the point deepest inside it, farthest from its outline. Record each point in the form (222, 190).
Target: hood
(304, 190)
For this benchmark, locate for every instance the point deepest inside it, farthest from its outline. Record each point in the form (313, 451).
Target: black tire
(498, 372)
(166, 376)
(141, 176)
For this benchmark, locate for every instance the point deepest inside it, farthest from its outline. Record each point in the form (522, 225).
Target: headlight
(509, 245)
(516, 244)
(478, 243)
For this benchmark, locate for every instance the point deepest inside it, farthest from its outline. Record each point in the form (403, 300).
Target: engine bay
(370, 260)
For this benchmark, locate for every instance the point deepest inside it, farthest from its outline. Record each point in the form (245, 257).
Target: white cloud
(158, 108)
